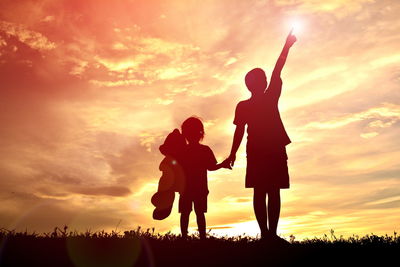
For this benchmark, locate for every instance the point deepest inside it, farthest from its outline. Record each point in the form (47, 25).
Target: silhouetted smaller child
(198, 159)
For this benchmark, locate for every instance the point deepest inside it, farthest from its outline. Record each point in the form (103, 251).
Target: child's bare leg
(184, 223)
(260, 210)
(274, 209)
(201, 224)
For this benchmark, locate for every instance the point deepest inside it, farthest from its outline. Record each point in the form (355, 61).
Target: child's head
(193, 130)
(256, 81)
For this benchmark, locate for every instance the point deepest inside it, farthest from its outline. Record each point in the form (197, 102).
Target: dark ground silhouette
(143, 248)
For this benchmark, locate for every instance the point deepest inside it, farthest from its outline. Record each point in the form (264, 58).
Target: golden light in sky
(297, 25)
(89, 90)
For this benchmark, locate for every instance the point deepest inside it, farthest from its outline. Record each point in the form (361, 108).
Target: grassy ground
(146, 248)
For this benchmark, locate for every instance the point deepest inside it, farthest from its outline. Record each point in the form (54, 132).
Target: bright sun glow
(297, 25)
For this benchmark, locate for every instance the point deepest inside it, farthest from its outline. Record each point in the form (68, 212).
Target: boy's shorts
(267, 170)
(186, 200)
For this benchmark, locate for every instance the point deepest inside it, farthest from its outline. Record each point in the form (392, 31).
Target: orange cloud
(390, 112)
(33, 39)
(339, 8)
(104, 190)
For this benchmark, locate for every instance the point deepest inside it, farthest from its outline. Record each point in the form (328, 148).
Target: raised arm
(276, 73)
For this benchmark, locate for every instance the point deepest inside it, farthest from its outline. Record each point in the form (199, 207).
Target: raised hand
(290, 39)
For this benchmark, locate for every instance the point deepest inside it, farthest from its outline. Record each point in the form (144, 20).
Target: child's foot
(203, 236)
(266, 235)
(184, 236)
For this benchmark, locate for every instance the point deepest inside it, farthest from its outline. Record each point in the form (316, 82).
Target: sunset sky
(89, 90)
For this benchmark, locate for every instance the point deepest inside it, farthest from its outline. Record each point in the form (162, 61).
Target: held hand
(231, 159)
(226, 164)
(291, 39)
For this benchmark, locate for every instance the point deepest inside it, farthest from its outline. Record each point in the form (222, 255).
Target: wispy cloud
(338, 8)
(379, 117)
(33, 39)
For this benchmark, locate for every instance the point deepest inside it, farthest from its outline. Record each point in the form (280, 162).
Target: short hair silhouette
(193, 129)
(256, 80)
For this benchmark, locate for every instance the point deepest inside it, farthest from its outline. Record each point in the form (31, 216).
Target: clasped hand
(229, 162)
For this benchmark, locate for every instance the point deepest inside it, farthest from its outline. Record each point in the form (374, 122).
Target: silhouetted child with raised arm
(198, 159)
(267, 170)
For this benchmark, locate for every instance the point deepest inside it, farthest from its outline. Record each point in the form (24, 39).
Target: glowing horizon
(89, 90)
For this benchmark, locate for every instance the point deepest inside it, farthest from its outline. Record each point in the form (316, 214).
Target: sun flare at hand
(297, 25)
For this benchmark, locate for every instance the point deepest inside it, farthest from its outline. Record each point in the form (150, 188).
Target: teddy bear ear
(176, 131)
